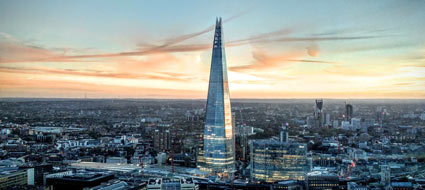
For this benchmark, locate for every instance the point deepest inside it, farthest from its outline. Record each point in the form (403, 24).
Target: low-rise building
(171, 183)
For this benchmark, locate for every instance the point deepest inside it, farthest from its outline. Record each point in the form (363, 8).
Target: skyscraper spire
(218, 148)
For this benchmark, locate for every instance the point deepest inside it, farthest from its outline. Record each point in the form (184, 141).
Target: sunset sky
(162, 49)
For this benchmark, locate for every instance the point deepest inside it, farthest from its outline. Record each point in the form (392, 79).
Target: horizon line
(117, 98)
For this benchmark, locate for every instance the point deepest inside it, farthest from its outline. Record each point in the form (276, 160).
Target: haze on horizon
(162, 49)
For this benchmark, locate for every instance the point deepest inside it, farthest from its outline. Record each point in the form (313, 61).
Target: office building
(355, 123)
(318, 114)
(321, 180)
(162, 139)
(218, 140)
(273, 161)
(39, 171)
(283, 136)
(327, 119)
(12, 177)
(348, 112)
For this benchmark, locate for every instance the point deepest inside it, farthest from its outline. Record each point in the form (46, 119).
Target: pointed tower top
(218, 22)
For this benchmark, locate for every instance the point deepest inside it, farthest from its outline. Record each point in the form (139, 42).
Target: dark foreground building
(77, 180)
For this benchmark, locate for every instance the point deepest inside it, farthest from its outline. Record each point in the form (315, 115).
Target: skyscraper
(318, 114)
(348, 111)
(284, 134)
(218, 146)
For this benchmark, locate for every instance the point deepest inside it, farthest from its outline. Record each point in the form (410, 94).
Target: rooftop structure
(77, 180)
(171, 183)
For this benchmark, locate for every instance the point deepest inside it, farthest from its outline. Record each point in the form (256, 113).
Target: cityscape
(80, 111)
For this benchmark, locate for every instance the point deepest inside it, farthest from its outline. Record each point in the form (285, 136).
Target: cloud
(185, 37)
(350, 31)
(373, 70)
(371, 47)
(261, 37)
(5, 36)
(415, 65)
(403, 84)
(67, 89)
(95, 73)
(173, 41)
(313, 50)
(275, 37)
(335, 38)
(263, 61)
(11, 51)
(182, 38)
(14, 51)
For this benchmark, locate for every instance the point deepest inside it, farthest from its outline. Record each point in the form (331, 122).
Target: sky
(162, 49)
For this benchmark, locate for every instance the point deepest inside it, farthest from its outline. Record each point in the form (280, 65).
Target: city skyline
(276, 49)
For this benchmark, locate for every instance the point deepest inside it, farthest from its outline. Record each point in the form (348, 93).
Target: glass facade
(273, 161)
(318, 181)
(218, 145)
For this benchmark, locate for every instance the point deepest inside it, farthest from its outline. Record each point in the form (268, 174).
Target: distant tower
(318, 113)
(319, 104)
(218, 147)
(348, 112)
(284, 134)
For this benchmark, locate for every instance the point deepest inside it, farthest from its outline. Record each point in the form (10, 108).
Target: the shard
(218, 142)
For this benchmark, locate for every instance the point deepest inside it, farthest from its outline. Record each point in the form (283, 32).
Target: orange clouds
(263, 61)
(163, 71)
(68, 89)
(313, 50)
(11, 51)
(91, 73)
(372, 70)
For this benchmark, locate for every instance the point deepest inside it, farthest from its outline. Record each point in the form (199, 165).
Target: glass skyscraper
(217, 156)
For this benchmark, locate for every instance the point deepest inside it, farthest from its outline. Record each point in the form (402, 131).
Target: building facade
(218, 141)
(318, 114)
(273, 161)
(348, 112)
(162, 139)
(16, 178)
(322, 181)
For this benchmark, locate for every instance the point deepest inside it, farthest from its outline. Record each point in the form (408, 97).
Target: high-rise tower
(318, 113)
(348, 112)
(219, 145)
